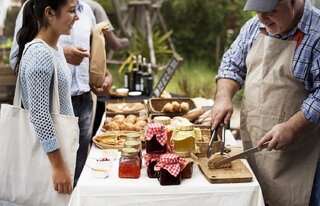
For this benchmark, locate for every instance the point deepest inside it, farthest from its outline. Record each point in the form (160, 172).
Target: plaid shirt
(306, 61)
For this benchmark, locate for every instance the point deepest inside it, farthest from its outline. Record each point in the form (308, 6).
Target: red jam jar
(151, 160)
(156, 138)
(129, 163)
(169, 167)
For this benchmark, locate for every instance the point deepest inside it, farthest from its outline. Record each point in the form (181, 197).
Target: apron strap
(297, 37)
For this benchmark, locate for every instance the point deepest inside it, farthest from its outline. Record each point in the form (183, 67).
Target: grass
(196, 79)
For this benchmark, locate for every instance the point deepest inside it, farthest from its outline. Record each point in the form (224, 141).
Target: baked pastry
(141, 124)
(217, 156)
(131, 119)
(119, 117)
(193, 114)
(176, 106)
(144, 118)
(184, 106)
(167, 108)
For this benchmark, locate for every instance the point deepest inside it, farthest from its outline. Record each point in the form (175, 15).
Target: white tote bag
(25, 169)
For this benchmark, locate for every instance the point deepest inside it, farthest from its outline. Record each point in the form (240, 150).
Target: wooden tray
(142, 112)
(236, 174)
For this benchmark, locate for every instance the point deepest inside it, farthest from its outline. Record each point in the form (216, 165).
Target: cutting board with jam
(236, 174)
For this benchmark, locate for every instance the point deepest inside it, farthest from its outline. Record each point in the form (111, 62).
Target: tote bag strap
(55, 96)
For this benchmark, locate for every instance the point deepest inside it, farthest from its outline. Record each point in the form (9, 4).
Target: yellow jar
(184, 138)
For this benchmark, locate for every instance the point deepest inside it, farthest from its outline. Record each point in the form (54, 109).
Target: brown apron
(271, 96)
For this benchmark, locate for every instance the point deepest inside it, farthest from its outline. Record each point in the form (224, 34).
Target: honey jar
(184, 138)
(156, 138)
(129, 163)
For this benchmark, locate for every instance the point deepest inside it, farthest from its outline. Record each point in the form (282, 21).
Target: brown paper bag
(98, 62)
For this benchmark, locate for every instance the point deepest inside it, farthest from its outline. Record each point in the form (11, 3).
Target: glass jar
(151, 160)
(156, 138)
(136, 145)
(169, 167)
(187, 170)
(129, 163)
(134, 137)
(184, 138)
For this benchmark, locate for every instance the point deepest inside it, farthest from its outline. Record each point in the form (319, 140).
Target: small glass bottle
(149, 81)
(156, 138)
(136, 145)
(129, 164)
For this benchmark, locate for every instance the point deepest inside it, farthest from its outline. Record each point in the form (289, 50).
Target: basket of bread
(170, 107)
(128, 107)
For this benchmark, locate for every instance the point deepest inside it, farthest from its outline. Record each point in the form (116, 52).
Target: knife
(242, 154)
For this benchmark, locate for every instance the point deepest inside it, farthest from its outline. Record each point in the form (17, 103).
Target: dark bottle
(167, 179)
(126, 77)
(151, 172)
(144, 77)
(154, 147)
(134, 73)
(149, 81)
(138, 75)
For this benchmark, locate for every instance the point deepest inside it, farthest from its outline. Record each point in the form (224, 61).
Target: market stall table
(113, 190)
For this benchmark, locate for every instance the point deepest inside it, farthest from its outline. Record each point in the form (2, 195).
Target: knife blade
(242, 154)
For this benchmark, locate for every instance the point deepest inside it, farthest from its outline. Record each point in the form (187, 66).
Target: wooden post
(150, 40)
(218, 39)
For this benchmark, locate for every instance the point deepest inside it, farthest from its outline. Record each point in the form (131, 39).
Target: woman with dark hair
(46, 20)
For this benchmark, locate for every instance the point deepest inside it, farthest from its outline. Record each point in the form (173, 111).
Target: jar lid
(131, 144)
(129, 151)
(133, 136)
(162, 119)
(185, 127)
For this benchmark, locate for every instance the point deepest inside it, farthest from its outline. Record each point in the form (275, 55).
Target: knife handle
(265, 145)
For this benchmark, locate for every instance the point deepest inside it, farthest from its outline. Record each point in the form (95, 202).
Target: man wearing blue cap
(277, 53)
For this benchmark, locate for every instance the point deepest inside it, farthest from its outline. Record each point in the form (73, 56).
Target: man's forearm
(226, 88)
(298, 123)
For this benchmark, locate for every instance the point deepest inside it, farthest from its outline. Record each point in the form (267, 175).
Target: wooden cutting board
(237, 173)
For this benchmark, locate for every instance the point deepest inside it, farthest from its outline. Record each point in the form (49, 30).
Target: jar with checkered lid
(170, 169)
(184, 138)
(156, 138)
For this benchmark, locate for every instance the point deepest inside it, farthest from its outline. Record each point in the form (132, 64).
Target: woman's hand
(60, 174)
(61, 179)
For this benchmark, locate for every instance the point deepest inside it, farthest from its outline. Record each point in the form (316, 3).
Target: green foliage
(197, 24)
(106, 4)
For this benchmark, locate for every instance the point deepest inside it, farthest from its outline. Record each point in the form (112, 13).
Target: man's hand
(221, 111)
(222, 108)
(75, 54)
(105, 87)
(283, 134)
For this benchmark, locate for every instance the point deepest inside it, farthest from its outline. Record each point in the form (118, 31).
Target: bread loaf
(193, 114)
(217, 156)
(167, 108)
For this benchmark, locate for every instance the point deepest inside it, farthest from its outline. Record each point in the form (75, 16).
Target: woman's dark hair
(33, 18)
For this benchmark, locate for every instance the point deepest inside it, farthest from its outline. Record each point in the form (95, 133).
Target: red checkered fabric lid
(151, 157)
(171, 163)
(159, 130)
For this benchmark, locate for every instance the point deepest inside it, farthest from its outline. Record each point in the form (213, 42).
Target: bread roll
(143, 118)
(141, 124)
(184, 107)
(119, 117)
(217, 156)
(176, 106)
(193, 114)
(131, 119)
(167, 108)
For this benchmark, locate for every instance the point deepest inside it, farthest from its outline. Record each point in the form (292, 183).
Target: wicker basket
(156, 104)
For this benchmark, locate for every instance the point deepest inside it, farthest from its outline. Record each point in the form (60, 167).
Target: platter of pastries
(122, 123)
(112, 140)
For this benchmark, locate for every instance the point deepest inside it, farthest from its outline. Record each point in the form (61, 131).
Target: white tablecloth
(113, 190)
